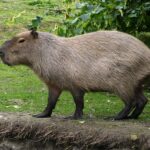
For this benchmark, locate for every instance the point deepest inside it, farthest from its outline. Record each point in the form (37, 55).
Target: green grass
(21, 90)
(17, 14)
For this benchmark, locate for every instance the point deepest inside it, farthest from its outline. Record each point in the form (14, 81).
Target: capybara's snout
(2, 54)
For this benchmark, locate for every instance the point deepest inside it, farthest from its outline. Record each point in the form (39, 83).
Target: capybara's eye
(21, 40)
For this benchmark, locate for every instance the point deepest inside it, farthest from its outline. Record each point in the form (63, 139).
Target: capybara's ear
(34, 34)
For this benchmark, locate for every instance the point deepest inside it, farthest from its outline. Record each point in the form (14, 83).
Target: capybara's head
(18, 50)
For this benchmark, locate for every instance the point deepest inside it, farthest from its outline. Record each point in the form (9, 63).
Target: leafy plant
(35, 23)
(124, 15)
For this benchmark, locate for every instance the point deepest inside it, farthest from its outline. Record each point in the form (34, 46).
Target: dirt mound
(22, 131)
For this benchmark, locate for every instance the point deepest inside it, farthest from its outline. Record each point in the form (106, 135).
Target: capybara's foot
(42, 115)
(77, 116)
(121, 118)
(132, 117)
(69, 117)
(109, 118)
(73, 117)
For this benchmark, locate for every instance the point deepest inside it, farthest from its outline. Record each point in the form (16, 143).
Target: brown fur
(105, 60)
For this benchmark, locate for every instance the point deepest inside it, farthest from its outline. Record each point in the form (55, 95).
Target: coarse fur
(100, 61)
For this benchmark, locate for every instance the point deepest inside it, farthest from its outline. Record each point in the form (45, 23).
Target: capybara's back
(99, 61)
(105, 60)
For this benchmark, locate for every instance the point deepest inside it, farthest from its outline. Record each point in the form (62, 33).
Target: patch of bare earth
(23, 132)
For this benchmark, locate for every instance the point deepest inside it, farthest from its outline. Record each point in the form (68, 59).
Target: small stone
(16, 106)
(82, 121)
(1, 116)
(134, 137)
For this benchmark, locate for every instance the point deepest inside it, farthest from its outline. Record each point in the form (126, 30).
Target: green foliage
(40, 3)
(145, 37)
(124, 15)
(35, 23)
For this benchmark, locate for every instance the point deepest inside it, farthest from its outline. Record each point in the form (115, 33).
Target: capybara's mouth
(6, 63)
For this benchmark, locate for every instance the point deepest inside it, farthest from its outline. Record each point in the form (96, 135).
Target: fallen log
(21, 131)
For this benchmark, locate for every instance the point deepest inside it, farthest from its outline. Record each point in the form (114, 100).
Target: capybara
(100, 61)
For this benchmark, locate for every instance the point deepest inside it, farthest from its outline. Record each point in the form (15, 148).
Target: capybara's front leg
(78, 97)
(54, 93)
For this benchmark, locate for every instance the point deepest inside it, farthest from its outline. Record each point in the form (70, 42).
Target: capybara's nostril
(2, 54)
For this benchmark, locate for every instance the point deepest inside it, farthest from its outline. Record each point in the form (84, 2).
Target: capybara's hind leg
(52, 100)
(125, 112)
(141, 101)
(78, 97)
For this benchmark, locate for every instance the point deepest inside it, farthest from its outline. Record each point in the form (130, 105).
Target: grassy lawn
(21, 90)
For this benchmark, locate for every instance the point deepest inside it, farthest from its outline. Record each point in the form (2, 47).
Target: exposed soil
(23, 132)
